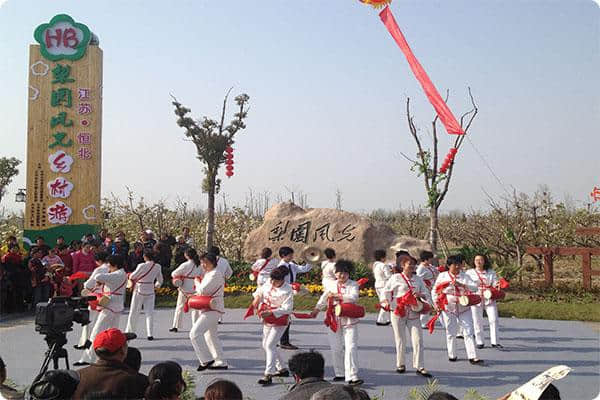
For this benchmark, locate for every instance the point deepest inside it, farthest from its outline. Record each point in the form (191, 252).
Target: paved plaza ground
(531, 346)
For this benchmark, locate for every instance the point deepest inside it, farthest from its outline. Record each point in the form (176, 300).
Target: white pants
(271, 336)
(205, 338)
(384, 316)
(492, 314)
(85, 331)
(181, 299)
(344, 351)
(400, 325)
(453, 322)
(137, 302)
(106, 320)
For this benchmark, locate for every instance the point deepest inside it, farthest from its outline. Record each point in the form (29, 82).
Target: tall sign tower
(64, 128)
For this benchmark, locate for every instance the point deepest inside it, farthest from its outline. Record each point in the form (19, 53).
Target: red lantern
(229, 156)
(229, 167)
(229, 174)
(453, 150)
(229, 149)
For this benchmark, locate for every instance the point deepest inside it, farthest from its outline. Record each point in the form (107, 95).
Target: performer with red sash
(487, 279)
(92, 288)
(261, 269)
(274, 302)
(407, 293)
(204, 334)
(113, 290)
(429, 273)
(184, 278)
(342, 331)
(450, 288)
(145, 278)
(382, 272)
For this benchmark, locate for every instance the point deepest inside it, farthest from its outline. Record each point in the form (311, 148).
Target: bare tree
(426, 164)
(211, 138)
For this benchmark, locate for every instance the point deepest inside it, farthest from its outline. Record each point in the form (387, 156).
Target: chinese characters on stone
(301, 232)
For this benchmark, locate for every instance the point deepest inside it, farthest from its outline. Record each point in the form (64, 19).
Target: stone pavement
(531, 346)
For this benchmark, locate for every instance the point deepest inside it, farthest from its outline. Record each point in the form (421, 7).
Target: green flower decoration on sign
(62, 38)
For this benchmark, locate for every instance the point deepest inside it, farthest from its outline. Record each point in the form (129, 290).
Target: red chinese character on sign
(60, 162)
(84, 108)
(85, 122)
(59, 213)
(84, 93)
(595, 194)
(60, 187)
(84, 153)
(84, 138)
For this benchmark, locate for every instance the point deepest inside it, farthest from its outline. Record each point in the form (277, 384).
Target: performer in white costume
(486, 278)
(273, 302)
(293, 269)
(261, 269)
(405, 292)
(92, 288)
(343, 342)
(429, 273)
(184, 278)
(382, 272)
(223, 267)
(145, 278)
(114, 283)
(204, 334)
(447, 291)
(328, 266)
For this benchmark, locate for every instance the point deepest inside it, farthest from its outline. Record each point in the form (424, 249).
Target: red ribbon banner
(441, 108)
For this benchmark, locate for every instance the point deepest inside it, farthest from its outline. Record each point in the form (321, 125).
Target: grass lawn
(517, 308)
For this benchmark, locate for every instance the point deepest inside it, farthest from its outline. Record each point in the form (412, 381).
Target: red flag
(442, 110)
(249, 311)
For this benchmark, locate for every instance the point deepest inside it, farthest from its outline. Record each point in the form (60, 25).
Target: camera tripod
(55, 352)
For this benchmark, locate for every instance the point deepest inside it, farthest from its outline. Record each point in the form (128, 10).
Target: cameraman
(113, 293)
(110, 374)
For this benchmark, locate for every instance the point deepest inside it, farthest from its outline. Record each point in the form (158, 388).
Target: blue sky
(327, 89)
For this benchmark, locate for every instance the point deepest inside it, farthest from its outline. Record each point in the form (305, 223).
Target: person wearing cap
(114, 283)
(204, 334)
(382, 272)
(145, 278)
(110, 374)
(405, 284)
(343, 342)
(92, 288)
(448, 288)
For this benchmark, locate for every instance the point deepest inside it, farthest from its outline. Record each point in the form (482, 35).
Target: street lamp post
(21, 196)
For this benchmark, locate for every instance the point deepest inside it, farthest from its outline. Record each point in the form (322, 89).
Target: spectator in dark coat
(180, 247)
(308, 369)
(135, 257)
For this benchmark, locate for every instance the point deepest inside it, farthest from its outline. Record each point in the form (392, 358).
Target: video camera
(58, 315)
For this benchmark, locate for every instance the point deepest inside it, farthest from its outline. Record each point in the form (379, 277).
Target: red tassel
(186, 306)
(431, 323)
(249, 311)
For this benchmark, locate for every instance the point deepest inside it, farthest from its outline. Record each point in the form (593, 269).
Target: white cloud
(2, 2)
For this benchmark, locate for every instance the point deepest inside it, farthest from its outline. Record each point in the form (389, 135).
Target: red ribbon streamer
(249, 311)
(408, 299)
(302, 315)
(362, 281)
(330, 318)
(441, 108)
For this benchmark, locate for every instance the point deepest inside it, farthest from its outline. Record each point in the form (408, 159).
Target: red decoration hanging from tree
(448, 160)
(229, 161)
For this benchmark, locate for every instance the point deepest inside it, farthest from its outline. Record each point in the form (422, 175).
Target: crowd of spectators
(29, 277)
(116, 376)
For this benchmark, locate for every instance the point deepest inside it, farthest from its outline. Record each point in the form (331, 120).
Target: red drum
(94, 303)
(200, 302)
(469, 299)
(349, 310)
(421, 308)
(493, 294)
(272, 320)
